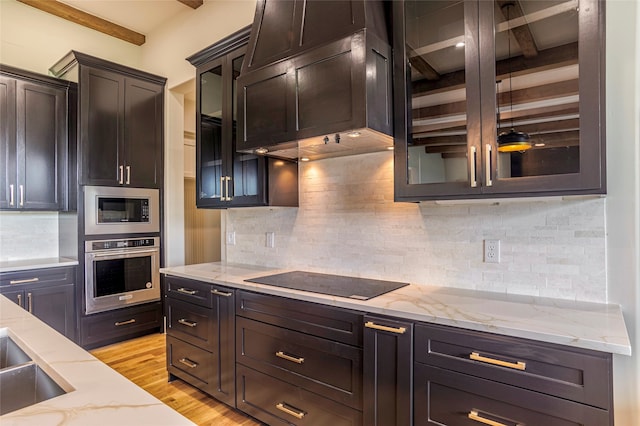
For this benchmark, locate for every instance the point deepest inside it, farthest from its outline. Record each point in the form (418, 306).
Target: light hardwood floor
(142, 361)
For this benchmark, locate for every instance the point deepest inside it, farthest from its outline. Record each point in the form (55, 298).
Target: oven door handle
(120, 253)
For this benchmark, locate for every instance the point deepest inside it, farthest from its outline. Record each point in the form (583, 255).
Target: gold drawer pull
(187, 322)
(297, 414)
(473, 415)
(29, 280)
(119, 323)
(186, 291)
(220, 293)
(188, 362)
(398, 330)
(520, 365)
(282, 355)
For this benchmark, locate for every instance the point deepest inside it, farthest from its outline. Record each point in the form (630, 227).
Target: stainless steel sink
(22, 381)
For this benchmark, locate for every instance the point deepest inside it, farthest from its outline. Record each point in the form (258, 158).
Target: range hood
(316, 80)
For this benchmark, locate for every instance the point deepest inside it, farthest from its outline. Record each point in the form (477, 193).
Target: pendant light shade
(513, 141)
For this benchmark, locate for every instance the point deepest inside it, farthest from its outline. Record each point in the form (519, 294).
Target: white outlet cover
(492, 251)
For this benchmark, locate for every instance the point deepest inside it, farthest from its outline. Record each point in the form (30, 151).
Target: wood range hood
(316, 80)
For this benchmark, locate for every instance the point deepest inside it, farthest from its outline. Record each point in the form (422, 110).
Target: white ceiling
(142, 16)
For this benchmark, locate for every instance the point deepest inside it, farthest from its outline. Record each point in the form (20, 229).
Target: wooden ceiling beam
(85, 19)
(510, 10)
(193, 4)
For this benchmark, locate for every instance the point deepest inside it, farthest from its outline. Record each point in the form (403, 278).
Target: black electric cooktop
(334, 285)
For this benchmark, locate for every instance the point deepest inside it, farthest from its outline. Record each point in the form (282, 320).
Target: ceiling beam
(421, 65)
(522, 34)
(85, 19)
(193, 4)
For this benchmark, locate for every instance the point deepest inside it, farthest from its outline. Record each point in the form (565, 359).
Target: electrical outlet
(231, 238)
(270, 239)
(492, 251)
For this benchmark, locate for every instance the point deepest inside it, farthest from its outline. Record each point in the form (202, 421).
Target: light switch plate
(231, 238)
(270, 239)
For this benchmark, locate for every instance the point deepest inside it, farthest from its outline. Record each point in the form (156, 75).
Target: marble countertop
(26, 264)
(97, 395)
(585, 325)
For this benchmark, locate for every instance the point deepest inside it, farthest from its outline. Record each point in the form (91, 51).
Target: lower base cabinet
(113, 326)
(46, 293)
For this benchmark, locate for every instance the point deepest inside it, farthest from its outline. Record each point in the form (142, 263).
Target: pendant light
(511, 141)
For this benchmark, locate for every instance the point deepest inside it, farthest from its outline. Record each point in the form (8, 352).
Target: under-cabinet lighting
(304, 159)
(262, 151)
(539, 144)
(460, 44)
(390, 148)
(353, 134)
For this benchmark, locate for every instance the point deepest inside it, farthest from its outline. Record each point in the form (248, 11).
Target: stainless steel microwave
(119, 210)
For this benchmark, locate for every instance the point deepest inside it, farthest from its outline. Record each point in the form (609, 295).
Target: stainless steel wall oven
(121, 272)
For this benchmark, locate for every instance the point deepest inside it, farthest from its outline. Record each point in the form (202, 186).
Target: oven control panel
(122, 244)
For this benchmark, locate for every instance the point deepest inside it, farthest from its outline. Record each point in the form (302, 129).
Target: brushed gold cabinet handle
(487, 166)
(473, 415)
(19, 297)
(187, 322)
(121, 180)
(30, 302)
(220, 293)
(21, 195)
(297, 414)
(520, 365)
(397, 330)
(226, 184)
(282, 355)
(28, 280)
(188, 362)
(127, 322)
(474, 175)
(128, 175)
(186, 291)
(11, 200)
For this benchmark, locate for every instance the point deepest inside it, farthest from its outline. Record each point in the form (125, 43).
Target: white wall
(623, 197)
(34, 40)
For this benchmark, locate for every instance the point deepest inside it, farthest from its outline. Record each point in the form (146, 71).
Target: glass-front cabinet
(498, 98)
(224, 178)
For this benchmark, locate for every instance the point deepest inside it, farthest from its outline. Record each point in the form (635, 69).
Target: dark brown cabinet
(121, 125)
(298, 362)
(388, 354)
(34, 132)
(225, 177)
(498, 99)
(201, 336)
(46, 293)
(465, 377)
(109, 327)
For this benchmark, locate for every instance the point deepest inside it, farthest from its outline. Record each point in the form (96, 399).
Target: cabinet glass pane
(437, 139)
(536, 46)
(245, 166)
(211, 133)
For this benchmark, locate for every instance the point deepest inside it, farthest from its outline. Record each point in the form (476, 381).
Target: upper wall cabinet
(498, 98)
(225, 177)
(34, 140)
(121, 115)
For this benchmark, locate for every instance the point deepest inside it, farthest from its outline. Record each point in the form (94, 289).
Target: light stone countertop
(98, 395)
(585, 325)
(27, 264)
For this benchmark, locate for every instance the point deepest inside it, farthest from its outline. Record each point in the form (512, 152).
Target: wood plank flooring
(142, 361)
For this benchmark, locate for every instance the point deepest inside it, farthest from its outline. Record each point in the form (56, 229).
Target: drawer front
(332, 323)
(196, 292)
(191, 364)
(579, 375)
(108, 326)
(275, 402)
(444, 397)
(191, 323)
(328, 368)
(62, 275)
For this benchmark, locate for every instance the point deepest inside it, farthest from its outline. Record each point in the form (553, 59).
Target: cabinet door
(41, 146)
(544, 82)
(55, 306)
(387, 359)
(210, 163)
(8, 184)
(437, 127)
(223, 317)
(143, 109)
(101, 127)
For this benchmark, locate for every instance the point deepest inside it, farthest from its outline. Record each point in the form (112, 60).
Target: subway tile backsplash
(28, 235)
(347, 223)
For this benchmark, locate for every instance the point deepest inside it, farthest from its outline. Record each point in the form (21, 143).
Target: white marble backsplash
(28, 235)
(347, 223)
